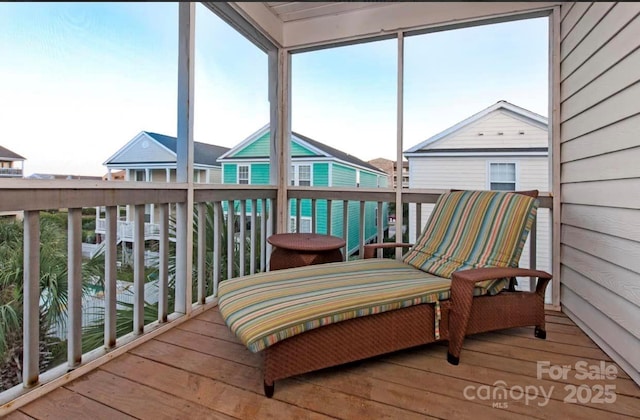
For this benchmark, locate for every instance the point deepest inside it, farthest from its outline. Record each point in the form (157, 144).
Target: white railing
(125, 230)
(11, 172)
(230, 227)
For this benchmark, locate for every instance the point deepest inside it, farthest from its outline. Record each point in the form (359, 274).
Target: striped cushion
(470, 229)
(264, 308)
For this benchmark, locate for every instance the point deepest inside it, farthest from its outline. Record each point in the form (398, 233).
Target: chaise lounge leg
(268, 389)
(453, 359)
(540, 333)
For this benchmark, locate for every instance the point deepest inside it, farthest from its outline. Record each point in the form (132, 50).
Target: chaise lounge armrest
(462, 285)
(370, 249)
(465, 280)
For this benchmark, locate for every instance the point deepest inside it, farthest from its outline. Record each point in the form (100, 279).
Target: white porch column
(184, 172)
(399, 123)
(280, 123)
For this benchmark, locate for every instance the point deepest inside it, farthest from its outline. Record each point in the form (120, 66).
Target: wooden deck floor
(199, 370)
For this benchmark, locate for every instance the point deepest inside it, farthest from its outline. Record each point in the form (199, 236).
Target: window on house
(502, 176)
(140, 175)
(304, 175)
(300, 175)
(243, 174)
(305, 225)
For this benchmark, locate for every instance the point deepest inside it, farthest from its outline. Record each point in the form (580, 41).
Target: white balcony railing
(11, 172)
(125, 230)
(226, 244)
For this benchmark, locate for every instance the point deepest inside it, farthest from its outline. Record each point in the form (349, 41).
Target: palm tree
(93, 334)
(53, 295)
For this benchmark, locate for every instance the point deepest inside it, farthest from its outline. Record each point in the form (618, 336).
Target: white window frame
(295, 174)
(248, 174)
(516, 169)
(303, 222)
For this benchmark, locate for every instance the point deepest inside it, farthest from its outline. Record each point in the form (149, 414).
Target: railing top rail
(218, 192)
(383, 194)
(88, 184)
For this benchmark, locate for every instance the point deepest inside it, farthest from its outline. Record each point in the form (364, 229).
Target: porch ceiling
(306, 24)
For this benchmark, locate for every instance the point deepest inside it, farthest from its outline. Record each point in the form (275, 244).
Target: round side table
(300, 249)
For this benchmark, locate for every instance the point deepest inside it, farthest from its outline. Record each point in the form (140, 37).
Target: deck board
(200, 370)
(63, 403)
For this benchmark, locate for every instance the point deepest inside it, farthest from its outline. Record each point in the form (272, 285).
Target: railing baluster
(202, 244)
(230, 237)
(31, 299)
(533, 239)
(110, 279)
(345, 228)
(74, 282)
(217, 252)
(163, 274)
(270, 228)
(252, 239)
(263, 236)
(329, 210)
(298, 216)
(380, 229)
(313, 215)
(418, 221)
(138, 269)
(362, 236)
(243, 235)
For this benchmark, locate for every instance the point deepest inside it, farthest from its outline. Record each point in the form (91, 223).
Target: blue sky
(77, 81)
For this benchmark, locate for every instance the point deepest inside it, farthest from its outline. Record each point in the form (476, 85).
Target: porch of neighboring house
(198, 369)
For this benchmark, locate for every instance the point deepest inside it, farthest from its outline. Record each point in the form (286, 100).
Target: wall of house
(368, 180)
(229, 173)
(600, 176)
(342, 176)
(485, 133)
(472, 173)
(320, 174)
(144, 149)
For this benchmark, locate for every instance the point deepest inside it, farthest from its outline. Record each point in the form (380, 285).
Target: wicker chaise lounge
(455, 281)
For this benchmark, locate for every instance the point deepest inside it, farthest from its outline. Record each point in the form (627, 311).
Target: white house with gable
(503, 147)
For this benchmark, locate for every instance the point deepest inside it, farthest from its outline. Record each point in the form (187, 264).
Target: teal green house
(313, 164)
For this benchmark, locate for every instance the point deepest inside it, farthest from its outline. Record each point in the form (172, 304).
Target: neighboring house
(312, 164)
(152, 157)
(503, 147)
(9, 164)
(391, 168)
(9, 169)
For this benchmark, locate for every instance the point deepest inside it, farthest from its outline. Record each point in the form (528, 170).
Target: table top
(306, 241)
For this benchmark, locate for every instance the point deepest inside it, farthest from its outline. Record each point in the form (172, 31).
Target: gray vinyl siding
(600, 185)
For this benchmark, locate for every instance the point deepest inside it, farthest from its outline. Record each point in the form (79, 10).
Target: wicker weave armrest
(462, 285)
(487, 273)
(370, 249)
(470, 277)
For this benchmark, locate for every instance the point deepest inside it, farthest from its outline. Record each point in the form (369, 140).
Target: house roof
(203, 153)
(6, 154)
(317, 147)
(525, 114)
(338, 154)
